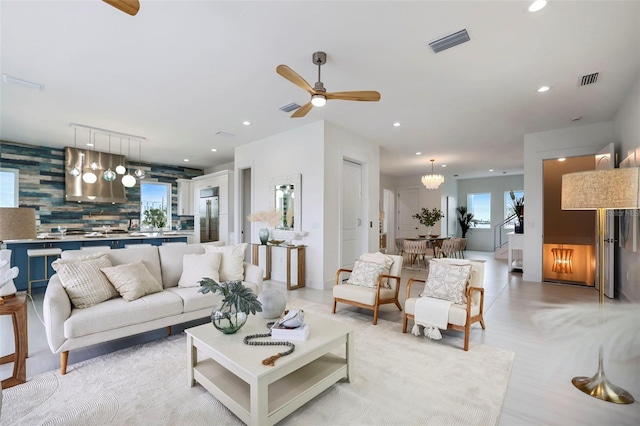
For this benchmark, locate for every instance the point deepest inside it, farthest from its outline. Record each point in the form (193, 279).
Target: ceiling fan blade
(130, 7)
(294, 77)
(302, 111)
(365, 95)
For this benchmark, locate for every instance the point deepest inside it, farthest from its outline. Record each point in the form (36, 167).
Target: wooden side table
(17, 308)
(300, 251)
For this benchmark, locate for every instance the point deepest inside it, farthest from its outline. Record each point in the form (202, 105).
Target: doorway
(352, 217)
(245, 210)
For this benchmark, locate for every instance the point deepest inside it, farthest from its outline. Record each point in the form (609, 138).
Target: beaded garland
(272, 359)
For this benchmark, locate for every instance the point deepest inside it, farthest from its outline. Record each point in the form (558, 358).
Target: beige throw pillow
(195, 267)
(366, 274)
(132, 280)
(231, 264)
(447, 281)
(83, 280)
(380, 258)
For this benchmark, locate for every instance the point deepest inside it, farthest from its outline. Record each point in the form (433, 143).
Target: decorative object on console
(268, 218)
(238, 302)
(602, 190)
(16, 223)
(273, 303)
(432, 181)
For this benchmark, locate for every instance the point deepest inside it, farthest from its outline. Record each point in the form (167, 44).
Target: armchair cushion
(380, 258)
(447, 281)
(361, 294)
(366, 274)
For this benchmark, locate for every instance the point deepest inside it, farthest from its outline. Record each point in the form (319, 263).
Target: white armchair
(461, 316)
(370, 295)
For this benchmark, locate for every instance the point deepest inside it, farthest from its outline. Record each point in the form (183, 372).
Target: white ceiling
(180, 71)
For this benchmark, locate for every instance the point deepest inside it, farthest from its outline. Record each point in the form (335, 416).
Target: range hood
(101, 191)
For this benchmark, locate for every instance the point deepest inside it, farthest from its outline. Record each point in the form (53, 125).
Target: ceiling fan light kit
(319, 95)
(432, 181)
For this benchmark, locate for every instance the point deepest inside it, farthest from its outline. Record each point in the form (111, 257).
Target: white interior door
(352, 217)
(408, 205)
(605, 160)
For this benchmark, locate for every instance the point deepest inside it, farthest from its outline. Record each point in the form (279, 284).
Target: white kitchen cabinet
(185, 197)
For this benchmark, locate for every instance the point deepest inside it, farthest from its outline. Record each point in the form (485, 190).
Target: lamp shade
(601, 189)
(17, 223)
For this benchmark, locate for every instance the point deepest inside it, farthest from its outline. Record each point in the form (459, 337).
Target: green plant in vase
(238, 301)
(429, 217)
(466, 220)
(157, 218)
(517, 208)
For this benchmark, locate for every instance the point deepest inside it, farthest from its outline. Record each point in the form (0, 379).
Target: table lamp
(601, 190)
(16, 223)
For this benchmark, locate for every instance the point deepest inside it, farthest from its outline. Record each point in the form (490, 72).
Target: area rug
(399, 379)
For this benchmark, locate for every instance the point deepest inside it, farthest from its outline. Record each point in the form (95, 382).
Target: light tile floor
(540, 390)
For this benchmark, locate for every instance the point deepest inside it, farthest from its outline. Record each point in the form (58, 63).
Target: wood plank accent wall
(41, 186)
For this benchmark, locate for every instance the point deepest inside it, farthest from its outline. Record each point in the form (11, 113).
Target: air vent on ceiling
(449, 41)
(289, 107)
(224, 134)
(589, 79)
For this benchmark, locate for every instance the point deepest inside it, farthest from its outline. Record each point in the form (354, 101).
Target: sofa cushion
(231, 266)
(117, 313)
(147, 255)
(171, 261)
(132, 280)
(193, 300)
(195, 267)
(84, 281)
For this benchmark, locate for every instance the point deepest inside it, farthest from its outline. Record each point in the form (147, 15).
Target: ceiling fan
(130, 7)
(319, 95)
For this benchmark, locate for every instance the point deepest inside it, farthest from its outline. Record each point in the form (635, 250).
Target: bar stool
(44, 253)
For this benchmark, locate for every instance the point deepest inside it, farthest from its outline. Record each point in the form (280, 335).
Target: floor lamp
(601, 190)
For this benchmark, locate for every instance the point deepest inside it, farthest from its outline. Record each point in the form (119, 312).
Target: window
(154, 195)
(480, 206)
(9, 187)
(507, 207)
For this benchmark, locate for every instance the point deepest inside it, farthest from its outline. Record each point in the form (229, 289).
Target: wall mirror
(287, 192)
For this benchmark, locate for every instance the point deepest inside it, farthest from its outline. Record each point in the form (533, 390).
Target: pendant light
(139, 172)
(128, 181)
(75, 171)
(109, 175)
(120, 169)
(432, 181)
(94, 165)
(89, 176)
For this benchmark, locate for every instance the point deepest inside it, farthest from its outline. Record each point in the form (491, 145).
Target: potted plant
(157, 218)
(429, 217)
(268, 218)
(466, 220)
(517, 208)
(238, 301)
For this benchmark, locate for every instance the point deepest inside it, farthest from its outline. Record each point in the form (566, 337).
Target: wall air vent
(449, 41)
(289, 107)
(224, 134)
(589, 79)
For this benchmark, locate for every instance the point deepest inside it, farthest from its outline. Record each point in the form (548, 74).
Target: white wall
(482, 239)
(627, 131)
(568, 142)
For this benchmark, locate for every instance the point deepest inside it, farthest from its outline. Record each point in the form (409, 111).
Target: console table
(516, 242)
(17, 308)
(300, 251)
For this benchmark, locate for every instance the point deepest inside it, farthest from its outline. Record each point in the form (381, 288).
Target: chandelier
(432, 181)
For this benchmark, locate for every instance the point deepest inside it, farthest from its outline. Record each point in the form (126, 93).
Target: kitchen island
(20, 259)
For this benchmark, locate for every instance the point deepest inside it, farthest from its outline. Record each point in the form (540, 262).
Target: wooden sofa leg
(169, 331)
(335, 302)
(64, 358)
(404, 323)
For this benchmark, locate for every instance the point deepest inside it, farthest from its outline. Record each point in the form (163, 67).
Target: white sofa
(69, 328)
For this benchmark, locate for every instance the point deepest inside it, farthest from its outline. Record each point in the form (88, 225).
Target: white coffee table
(264, 395)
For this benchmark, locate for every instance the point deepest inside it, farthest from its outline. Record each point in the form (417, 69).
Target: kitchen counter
(101, 237)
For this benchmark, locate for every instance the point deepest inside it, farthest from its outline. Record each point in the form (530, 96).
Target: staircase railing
(501, 231)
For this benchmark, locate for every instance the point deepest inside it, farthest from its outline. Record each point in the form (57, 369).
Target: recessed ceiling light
(562, 159)
(444, 165)
(490, 170)
(214, 150)
(396, 124)
(418, 153)
(246, 123)
(543, 89)
(89, 144)
(537, 5)
(186, 160)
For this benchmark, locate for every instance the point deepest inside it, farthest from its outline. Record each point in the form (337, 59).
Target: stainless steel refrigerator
(209, 227)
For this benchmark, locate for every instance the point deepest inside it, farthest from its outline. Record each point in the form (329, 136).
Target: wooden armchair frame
(470, 319)
(378, 300)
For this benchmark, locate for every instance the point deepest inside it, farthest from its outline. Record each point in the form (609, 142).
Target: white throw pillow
(195, 267)
(380, 258)
(84, 281)
(447, 281)
(231, 264)
(366, 274)
(132, 280)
